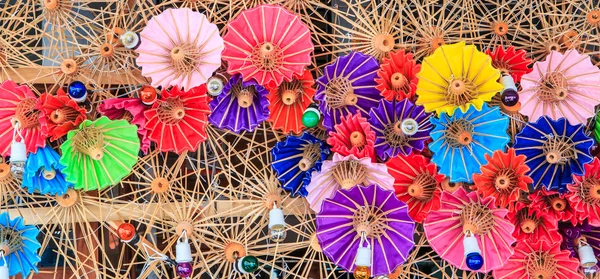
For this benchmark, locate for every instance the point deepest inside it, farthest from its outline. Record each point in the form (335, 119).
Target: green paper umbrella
(597, 127)
(100, 153)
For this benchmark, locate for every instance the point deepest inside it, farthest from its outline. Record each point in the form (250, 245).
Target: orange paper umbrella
(504, 177)
(268, 44)
(353, 136)
(531, 226)
(584, 193)
(417, 183)
(177, 122)
(397, 77)
(555, 204)
(288, 101)
(60, 114)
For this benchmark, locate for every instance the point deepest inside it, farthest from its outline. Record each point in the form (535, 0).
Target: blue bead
(77, 90)
(474, 261)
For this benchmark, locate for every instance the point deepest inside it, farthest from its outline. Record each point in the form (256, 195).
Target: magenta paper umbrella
(466, 224)
(179, 47)
(345, 173)
(371, 213)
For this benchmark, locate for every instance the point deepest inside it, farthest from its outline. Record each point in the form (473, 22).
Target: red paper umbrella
(288, 101)
(504, 177)
(397, 77)
(59, 114)
(353, 136)
(584, 193)
(552, 203)
(178, 120)
(267, 43)
(417, 183)
(18, 105)
(531, 226)
(539, 260)
(510, 61)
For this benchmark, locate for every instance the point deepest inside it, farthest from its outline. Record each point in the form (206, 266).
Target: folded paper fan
(371, 211)
(295, 159)
(584, 192)
(288, 101)
(268, 44)
(461, 141)
(18, 105)
(100, 153)
(417, 183)
(177, 121)
(345, 172)
(456, 76)
(397, 77)
(555, 204)
(510, 61)
(347, 87)
(353, 136)
(19, 245)
(532, 226)
(463, 213)
(43, 173)
(130, 109)
(60, 114)
(555, 150)
(400, 128)
(179, 47)
(241, 106)
(503, 177)
(564, 85)
(539, 259)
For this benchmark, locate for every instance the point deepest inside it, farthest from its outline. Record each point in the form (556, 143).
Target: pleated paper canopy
(131, 109)
(60, 114)
(584, 192)
(43, 173)
(19, 244)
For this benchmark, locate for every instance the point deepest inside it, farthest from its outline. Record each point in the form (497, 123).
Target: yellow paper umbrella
(456, 75)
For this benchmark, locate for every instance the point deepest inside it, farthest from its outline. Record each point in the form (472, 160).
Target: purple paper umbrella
(347, 86)
(572, 234)
(371, 211)
(241, 106)
(399, 127)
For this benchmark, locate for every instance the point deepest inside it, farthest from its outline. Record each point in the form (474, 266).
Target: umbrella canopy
(268, 44)
(564, 85)
(461, 141)
(295, 159)
(347, 87)
(584, 192)
(100, 153)
(463, 212)
(43, 173)
(345, 173)
(18, 105)
(59, 113)
(417, 183)
(130, 109)
(573, 234)
(555, 150)
(397, 77)
(19, 244)
(177, 121)
(504, 177)
(532, 226)
(288, 101)
(353, 136)
(555, 204)
(456, 76)
(241, 106)
(539, 259)
(371, 211)
(400, 128)
(510, 61)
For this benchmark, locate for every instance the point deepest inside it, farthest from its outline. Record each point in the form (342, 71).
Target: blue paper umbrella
(19, 245)
(295, 159)
(43, 173)
(555, 151)
(461, 141)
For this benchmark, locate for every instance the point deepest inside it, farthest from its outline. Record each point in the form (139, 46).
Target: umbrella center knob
(58, 116)
(177, 54)
(511, 109)
(159, 185)
(351, 99)
(500, 28)
(185, 57)
(340, 93)
(305, 164)
(423, 186)
(185, 226)
(68, 199)
(310, 154)
(5, 172)
(561, 93)
(553, 47)
(233, 250)
(267, 49)
(450, 186)
(48, 174)
(399, 82)
(415, 190)
(465, 138)
(289, 97)
(107, 50)
(460, 91)
(558, 204)
(367, 220)
(51, 5)
(436, 42)
(357, 139)
(245, 98)
(171, 111)
(502, 182)
(477, 218)
(349, 173)
(569, 38)
(594, 189)
(13, 241)
(383, 43)
(314, 243)
(553, 87)
(528, 226)
(593, 17)
(271, 199)
(26, 114)
(178, 113)
(268, 57)
(69, 67)
(553, 157)
(89, 141)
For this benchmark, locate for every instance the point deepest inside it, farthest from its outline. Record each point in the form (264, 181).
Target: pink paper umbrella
(370, 213)
(345, 172)
(179, 47)
(463, 214)
(564, 85)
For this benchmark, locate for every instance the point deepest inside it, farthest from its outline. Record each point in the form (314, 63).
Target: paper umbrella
(554, 204)
(353, 136)
(574, 234)
(344, 173)
(288, 101)
(59, 113)
(510, 61)
(43, 173)
(369, 212)
(295, 159)
(461, 141)
(18, 246)
(584, 192)
(532, 226)
(463, 214)
(179, 47)
(397, 77)
(100, 153)
(130, 109)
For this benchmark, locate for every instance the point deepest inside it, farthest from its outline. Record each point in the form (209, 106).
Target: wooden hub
(272, 199)
(449, 186)
(502, 182)
(177, 54)
(4, 171)
(233, 251)
(68, 67)
(415, 190)
(49, 174)
(398, 81)
(512, 109)
(178, 113)
(553, 157)
(68, 199)
(369, 220)
(558, 204)
(245, 98)
(357, 139)
(593, 17)
(289, 97)
(314, 243)
(351, 99)
(594, 191)
(528, 226)
(437, 42)
(107, 50)
(185, 226)
(160, 185)
(58, 116)
(266, 49)
(553, 47)
(51, 4)
(501, 28)
(383, 42)
(305, 164)
(4, 248)
(477, 219)
(465, 138)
